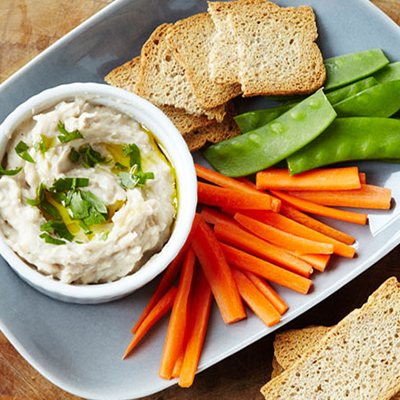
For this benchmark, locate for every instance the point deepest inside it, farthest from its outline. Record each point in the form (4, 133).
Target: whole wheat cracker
(359, 358)
(190, 40)
(291, 345)
(215, 132)
(125, 77)
(162, 79)
(276, 48)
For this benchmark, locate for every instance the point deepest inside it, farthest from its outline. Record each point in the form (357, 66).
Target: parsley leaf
(120, 166)
(45, 144)
(9, 172)
(50, 239)
(78, 206)
(97, 203)
(66, 136)
(134, 153)
(130, 181)
(63, 184)
(91, 157)
(39, 197)
(59, 228)
(22, 150)
(74, 155)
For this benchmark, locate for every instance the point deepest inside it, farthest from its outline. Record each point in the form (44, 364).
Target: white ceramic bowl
(177, 151)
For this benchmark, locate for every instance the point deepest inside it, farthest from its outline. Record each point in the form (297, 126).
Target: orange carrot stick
(218, 274)
(238, 237)
(212, 216)
(199, 315)
(363, 177)
(177, 324)
(308, 206)
(318, 261)
(176, 372)
(271, 272)
(317, 179)
(169, 275)
(216, 196)
(369, 196)
(282, 238)
(231, 183)
(268, 292)
(255, 299)
(296, 228)
(304, 219)
(160, 309)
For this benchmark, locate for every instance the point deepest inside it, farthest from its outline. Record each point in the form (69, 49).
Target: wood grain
(27, 27)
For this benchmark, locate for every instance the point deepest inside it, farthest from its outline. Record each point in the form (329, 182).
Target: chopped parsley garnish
(120, 166)
(74, 155)
(136, 177)
(59, 228)
(9, 172)
(50, 239)
(66, 136)
(63, 184)
(91, 157)
(22, 150)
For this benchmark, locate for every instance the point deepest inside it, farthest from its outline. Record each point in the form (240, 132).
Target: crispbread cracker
(162, 79)
(190, 40)
(125, 77)
(224, 59)
(359, 358)
(215, 132)
(290, 345)
(276, 48)
(295, 342)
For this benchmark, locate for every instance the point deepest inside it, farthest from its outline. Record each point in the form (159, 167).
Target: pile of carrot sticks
(246, 236)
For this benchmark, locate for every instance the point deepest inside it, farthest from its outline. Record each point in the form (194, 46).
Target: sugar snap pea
(349, 68)
(254, 119)
(381, 100)
(350, 139)
(389, 73)
(274, 141)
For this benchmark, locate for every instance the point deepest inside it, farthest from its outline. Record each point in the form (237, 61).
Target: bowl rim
(178, 154)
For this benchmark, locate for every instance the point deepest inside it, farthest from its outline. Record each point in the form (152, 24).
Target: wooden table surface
(27, 27)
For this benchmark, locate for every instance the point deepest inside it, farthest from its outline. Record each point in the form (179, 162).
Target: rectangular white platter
(79, 347)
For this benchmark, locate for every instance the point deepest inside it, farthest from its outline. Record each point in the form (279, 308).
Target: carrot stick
(308, 206)
(282, 238)
(177, 324)
(238, 237)
(169, 275)
(216, 196)
(160, 309)
(255, 299)
(200, 312)
(369, 196)
(318, 261)
(317, 179)
(231, 183)
(218, 274)
(212, 216)
(296, 228)
(271, 272)
(176, 372)
(363, 177)
(304, 219)
(268, 292)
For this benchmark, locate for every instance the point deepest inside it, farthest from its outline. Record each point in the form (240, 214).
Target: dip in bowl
(97, 192)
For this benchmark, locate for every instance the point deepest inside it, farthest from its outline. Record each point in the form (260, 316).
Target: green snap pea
(389, 73)
(254, 119)
(349, 68)
(273, 142)
(350, 139)
(335, 96)
(381, 100)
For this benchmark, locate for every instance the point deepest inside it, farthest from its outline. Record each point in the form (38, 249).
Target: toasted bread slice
(276, 48)
(125, 77)
(162, 79)
(214, 133)
(190, 40)
(359, 358)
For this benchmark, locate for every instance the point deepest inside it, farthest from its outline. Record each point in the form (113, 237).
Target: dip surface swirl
(138, 220)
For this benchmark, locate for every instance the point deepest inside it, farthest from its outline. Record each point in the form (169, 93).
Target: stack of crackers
(359, 358)
(194, 68)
